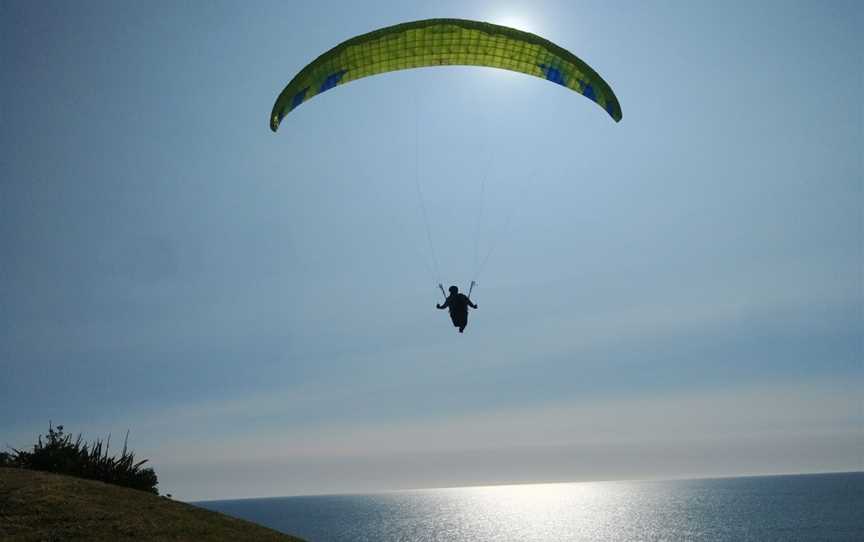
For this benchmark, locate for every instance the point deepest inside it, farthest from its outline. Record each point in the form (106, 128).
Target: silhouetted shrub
(61, 455)
(7, 460)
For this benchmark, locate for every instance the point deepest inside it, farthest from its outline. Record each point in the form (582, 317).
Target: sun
(519, 21)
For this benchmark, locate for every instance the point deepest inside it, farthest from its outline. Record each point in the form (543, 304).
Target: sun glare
(518, 21)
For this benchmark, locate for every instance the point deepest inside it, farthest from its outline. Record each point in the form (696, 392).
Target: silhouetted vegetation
(60, 454)
(7, 460)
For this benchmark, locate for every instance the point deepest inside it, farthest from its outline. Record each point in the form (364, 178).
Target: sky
(675, 295)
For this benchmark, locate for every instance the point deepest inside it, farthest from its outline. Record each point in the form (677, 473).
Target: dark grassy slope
(42, 506)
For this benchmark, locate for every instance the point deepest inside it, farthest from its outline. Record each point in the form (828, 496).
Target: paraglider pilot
(458, 305)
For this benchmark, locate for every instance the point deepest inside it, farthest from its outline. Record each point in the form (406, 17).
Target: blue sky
(678, 294)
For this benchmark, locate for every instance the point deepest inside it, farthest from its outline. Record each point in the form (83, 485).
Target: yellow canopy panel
(441, 42)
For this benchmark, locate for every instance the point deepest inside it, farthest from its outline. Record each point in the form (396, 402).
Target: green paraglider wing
(440, 42)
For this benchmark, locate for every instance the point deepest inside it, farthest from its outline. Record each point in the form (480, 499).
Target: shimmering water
(805, 507)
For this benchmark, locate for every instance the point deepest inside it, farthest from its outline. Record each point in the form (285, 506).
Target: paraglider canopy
(440, 42)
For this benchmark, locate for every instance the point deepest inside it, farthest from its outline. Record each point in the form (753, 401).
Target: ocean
(823, 507)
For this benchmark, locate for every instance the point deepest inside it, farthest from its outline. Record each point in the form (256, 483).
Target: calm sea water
(805, 507)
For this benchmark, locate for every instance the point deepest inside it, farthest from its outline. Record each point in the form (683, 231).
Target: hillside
(42, 506)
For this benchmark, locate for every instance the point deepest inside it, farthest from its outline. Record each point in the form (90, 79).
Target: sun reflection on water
(539, 511)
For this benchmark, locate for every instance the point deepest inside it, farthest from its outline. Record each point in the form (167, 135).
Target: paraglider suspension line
(419, 188)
